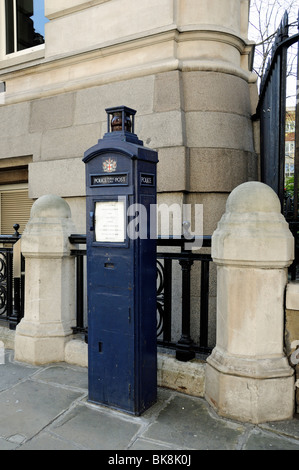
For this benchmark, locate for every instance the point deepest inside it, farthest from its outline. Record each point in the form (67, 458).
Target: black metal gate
(271, 112)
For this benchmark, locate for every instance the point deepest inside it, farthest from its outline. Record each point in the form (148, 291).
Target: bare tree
(265, 18)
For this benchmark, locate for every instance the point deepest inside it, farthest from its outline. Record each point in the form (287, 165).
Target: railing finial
(16, 228)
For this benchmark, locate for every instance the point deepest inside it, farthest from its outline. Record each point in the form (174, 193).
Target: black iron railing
(190, 341)
(171, 255)
(11, 280)
(80, 254)
(273, 113)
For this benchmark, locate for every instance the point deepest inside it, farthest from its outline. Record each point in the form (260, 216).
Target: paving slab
(13, 373)
(263, 440)
(47, 408)
(97, 429)
(288, 428)
(149, 444)
(7, 445)
(67, 376)
(189, 424)
(29, 406)
(48, 441)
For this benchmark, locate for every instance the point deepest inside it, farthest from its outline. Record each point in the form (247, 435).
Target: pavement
(47, 408)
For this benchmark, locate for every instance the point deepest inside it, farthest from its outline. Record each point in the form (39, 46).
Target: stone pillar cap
(50, 206)
(253, 231)
(48, 229)
(253, 197)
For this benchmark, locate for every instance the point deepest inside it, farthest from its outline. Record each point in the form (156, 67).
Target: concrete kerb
(188, 378)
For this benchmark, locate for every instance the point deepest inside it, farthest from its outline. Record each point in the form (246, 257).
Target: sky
(271, 13)
(39, 17)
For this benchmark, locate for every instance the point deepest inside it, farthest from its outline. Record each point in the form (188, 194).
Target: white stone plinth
(49, 283)
(248, 377)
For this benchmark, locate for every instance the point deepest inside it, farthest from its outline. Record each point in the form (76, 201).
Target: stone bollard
(49, 283)
(248, 377)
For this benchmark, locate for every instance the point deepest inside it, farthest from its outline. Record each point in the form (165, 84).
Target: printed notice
(110, 222)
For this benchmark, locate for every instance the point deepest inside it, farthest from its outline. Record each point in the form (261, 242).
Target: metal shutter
(15, 209)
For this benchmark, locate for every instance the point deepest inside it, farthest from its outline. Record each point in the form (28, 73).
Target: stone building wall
(182, 64)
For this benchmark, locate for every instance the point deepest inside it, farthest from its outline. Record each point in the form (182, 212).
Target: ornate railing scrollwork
(160, 297)
(3, 283)
(11, 286)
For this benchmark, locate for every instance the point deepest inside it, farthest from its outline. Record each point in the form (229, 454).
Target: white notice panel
(110, 221)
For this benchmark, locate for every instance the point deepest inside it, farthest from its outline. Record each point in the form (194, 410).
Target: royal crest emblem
(109, 166)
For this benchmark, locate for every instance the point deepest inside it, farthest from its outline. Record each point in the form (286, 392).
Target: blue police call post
(121, 267)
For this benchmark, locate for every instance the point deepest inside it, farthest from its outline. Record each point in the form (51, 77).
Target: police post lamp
(121, 267)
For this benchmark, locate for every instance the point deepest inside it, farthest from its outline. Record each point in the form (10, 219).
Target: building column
(49, 283)
(248, 377)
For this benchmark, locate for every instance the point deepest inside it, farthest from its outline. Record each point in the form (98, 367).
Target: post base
(255, 399)
(39, 351)
(41, 343)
